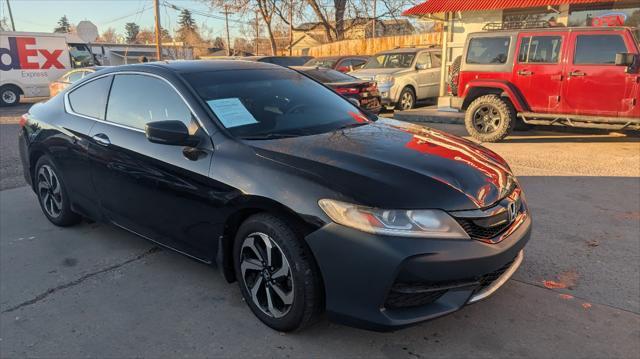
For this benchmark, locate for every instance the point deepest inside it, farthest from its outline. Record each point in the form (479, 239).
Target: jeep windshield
(391, 61)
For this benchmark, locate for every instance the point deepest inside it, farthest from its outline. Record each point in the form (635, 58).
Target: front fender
(507, 89)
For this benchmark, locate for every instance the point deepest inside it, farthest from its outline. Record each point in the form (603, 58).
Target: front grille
(415, 294)
(478, 232)
(487, 279)
(408, 300)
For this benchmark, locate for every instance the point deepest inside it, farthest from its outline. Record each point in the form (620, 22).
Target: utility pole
(13, 26)
(373, 25)
(156, 8)
(226, 22)
(257, 32)
(291, 28)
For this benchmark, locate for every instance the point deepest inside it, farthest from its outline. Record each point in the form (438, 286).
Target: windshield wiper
(269, 136)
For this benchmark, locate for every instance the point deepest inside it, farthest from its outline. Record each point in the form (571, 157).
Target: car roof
(398, 50)
(189, 66)
(338, 57)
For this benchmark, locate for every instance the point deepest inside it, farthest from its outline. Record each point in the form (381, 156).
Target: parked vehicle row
(311, 204)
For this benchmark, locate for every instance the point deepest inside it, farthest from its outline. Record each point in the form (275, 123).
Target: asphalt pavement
(96, 291)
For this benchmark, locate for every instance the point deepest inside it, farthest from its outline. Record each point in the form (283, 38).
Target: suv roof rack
(513, 25)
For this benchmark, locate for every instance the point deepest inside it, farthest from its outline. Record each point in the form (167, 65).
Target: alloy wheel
(49, 191)
(406, 101)
(9, 97)
(486, 119)
(266, 274)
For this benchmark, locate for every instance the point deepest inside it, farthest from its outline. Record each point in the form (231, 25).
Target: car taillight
(23, 120)
(347, 90)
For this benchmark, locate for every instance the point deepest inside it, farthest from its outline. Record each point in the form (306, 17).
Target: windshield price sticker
(231, 112)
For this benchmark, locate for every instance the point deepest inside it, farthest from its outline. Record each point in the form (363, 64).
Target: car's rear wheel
(52, 194)
(277, 275)
(489, 118)
(407, 99)
(9, 95)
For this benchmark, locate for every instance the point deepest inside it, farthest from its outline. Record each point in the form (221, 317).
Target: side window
(90, 99)
(540, 49)
(436, 59)
(358, 63)
(424, 59)
(488, 50)
(136, 100)
(598, 49)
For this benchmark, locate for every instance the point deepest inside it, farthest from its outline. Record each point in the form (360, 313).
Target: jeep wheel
(489, 118)
(9, 95)
(407, 99)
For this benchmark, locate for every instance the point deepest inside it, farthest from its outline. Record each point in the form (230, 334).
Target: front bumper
(363, 273)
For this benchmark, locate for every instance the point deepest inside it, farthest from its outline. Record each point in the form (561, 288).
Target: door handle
(525, 73)
(102, 139)
(577, 73)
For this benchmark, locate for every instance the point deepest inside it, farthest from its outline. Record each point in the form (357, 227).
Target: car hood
(393, 164)
(370, 74)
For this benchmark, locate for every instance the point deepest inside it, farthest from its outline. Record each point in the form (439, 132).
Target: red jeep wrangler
(583, 77)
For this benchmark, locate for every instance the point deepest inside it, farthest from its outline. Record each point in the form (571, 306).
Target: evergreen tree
(131, 31)
(63, 25)
(186, 21)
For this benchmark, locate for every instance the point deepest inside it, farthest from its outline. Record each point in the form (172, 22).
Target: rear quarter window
(90, 99)
(488, 50)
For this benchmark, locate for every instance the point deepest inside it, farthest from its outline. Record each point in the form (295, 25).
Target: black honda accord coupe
(310, 203)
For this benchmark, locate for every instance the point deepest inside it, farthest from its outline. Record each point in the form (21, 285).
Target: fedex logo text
(19, 52)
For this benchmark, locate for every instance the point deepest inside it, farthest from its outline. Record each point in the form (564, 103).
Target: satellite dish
(87, 31)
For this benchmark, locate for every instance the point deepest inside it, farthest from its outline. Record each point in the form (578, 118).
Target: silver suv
(404, 75)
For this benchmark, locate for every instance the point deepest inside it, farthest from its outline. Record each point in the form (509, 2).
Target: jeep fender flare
(476, 88)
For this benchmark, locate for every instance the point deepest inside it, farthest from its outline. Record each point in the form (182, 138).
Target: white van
(29, 61)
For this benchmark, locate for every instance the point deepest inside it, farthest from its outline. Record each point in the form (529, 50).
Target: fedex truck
(30, 60)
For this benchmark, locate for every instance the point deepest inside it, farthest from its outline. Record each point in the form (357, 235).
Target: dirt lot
(96, 291)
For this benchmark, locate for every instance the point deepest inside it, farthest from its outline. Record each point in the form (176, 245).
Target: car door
(159, 191)
(537, 73)
(426, 76)
(84, 106)
(594, 84)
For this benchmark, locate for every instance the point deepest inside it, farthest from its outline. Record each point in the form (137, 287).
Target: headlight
(403, 223)
(384, 79)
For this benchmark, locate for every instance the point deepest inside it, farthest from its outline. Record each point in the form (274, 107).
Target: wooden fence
(372, 45)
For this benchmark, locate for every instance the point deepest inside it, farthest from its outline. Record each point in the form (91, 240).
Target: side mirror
(625, 59)
(173, 133)
(422, 67)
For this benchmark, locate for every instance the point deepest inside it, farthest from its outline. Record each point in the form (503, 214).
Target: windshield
(391, 61)
(329, 76)
(80, 55)
(271, 103)
(327, 63)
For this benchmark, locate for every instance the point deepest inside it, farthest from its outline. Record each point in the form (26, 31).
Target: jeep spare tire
(454, 72)
(489, 118)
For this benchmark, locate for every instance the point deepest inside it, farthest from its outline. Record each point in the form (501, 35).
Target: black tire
(57, 211)
(454, 71)
(9, 95)
(302, 281)
(489, 118)
(410, 97)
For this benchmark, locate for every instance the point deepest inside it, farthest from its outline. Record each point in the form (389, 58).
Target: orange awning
(440, 6)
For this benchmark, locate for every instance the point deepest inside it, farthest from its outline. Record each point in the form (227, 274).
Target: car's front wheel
(276, 272)
(489, 118)
(9, 95)
(407, 99)
(52, 194)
